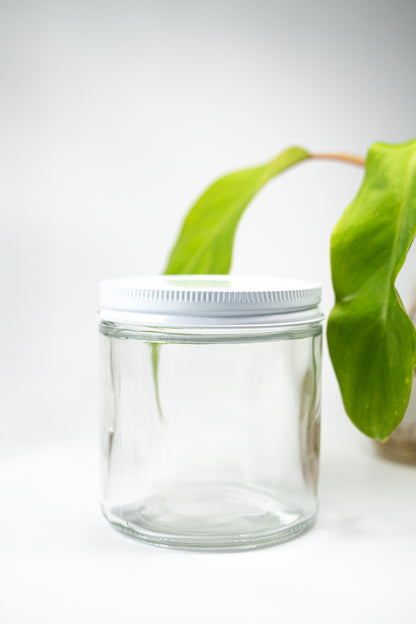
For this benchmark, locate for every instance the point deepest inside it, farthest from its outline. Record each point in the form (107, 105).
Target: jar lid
(192, 300)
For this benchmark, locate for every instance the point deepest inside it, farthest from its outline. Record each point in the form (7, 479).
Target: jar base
(212, 517)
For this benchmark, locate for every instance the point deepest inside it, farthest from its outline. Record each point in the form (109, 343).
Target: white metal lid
(214, 300)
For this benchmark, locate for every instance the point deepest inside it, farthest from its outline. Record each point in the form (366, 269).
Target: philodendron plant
(371, 339)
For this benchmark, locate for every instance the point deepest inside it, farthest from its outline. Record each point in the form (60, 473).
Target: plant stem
(348, 158)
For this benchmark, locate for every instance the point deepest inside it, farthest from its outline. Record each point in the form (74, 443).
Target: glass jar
(210, 409)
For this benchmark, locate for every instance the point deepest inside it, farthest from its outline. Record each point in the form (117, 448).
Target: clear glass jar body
(210, 438)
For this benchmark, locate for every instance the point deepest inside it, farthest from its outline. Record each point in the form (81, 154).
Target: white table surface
(61, 562)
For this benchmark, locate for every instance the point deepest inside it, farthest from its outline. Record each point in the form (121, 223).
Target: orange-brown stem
(348, 158)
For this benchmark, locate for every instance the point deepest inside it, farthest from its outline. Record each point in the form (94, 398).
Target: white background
(114, 117)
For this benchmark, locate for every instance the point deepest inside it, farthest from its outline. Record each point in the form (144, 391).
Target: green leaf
(371, 339)
(206, 240)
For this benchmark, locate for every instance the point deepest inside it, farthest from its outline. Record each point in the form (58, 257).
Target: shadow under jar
(210, 409)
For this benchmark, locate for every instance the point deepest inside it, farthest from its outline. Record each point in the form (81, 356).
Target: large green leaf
(206, 241)
(372, 341)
